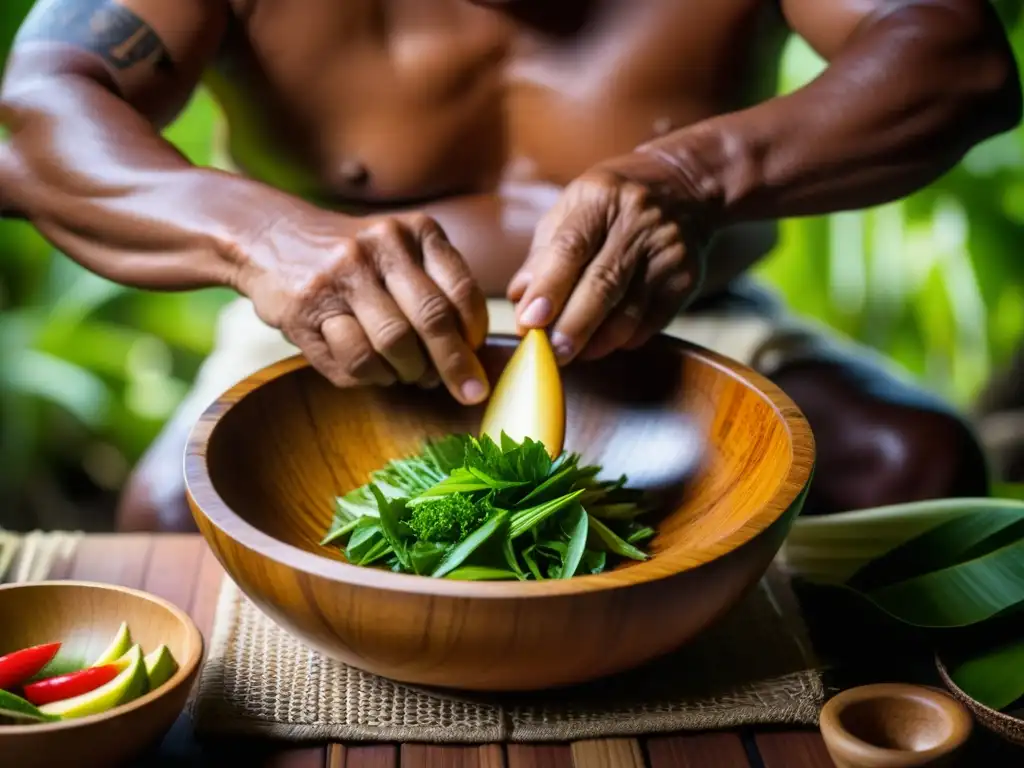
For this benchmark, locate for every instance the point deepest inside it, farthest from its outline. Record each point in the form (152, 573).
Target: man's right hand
(390, 301)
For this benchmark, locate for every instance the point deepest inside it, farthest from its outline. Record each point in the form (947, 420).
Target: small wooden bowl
(1002, 724)
(893, 725)
(85, 617)
(265, 461)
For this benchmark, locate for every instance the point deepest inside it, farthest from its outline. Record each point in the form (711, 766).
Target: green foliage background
(89, 371)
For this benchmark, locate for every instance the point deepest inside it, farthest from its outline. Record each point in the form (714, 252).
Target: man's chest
(410, 98)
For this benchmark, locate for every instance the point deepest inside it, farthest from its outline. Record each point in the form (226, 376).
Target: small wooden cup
(894, 725)
(84, 617)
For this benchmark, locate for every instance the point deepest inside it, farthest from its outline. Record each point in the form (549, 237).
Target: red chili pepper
(21, 665)
(72, 684)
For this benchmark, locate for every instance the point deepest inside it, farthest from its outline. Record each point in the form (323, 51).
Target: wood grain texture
(371, 756)
(210, 576)
(113, 559)
(266, 459)
(607, 753)
(173, 568)
(697, 751)
(793, 749)
(435, 756)
(539, 756)
(85, 616)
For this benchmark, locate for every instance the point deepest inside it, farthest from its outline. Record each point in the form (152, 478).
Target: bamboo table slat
(181, 569)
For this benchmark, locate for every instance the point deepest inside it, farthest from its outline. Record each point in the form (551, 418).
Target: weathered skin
(405, 157)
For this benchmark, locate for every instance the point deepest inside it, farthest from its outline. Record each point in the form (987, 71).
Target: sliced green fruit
(16, 708)
(122, 689)
(528, 400)
(118, 647)
(139, 685)
(160, 666)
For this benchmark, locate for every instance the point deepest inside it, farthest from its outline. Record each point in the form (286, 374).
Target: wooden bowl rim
(205, 501)
(186, 668)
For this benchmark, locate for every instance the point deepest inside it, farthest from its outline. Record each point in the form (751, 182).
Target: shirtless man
(603, 164)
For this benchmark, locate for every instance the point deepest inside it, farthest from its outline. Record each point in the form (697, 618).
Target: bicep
(152, 52)
(827, 25)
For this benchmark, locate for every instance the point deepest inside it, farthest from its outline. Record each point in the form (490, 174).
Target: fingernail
(473, 390)
(536, 313)
(562, 345)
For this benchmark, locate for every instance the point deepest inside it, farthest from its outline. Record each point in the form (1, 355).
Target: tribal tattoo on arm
(102, 27)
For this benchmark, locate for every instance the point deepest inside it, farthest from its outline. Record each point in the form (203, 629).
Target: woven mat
(26, 557)
(754, 668)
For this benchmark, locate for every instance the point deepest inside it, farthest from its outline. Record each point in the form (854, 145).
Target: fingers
(602, 287)
(449, 271)
(437, 324)
(598, 300)
(665, 257)
(670, 282)
(436, 317)
(353, 353)
(340, 350)
(555, 264)
(621, 324)
(384, 324)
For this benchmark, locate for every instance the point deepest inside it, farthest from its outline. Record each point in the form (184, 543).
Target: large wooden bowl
(265, 461)
(84, 617)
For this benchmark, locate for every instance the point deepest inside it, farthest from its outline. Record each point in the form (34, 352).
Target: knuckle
(570, 244)
(391, 334)
(360, 361)
(463, 291)
(434, 314)
(633, 196)
(675, 253)
(599, 181)
(452, 363)
(385, 229)
(421, 223)
(606, 281)
(348, 258)
(671, 234)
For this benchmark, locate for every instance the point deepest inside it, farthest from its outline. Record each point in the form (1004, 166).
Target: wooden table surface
(180, 568)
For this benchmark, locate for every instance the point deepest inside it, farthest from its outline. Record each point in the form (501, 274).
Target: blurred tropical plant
(90, 371)
(935, 281)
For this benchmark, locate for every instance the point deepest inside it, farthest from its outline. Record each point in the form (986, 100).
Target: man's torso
(385, 102)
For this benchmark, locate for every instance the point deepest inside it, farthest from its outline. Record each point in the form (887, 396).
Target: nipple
(353, 173)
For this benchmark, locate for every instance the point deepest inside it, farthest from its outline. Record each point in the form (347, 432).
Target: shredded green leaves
(472, 509)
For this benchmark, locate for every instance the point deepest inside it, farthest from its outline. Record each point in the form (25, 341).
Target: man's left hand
(612, 262)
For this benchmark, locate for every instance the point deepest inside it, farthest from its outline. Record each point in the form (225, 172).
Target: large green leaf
(959, 596)
(952, 542)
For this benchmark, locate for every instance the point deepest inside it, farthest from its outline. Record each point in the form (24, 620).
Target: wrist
(255, 228)
(704, 167)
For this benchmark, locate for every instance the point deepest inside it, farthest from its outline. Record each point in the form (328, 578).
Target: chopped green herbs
(472, 509)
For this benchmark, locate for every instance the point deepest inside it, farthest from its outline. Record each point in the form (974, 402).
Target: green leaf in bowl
(16, 708)
(994, 677)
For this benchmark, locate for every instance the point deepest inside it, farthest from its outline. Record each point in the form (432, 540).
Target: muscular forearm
(101, 184)
(99, 181)
(904, 97)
